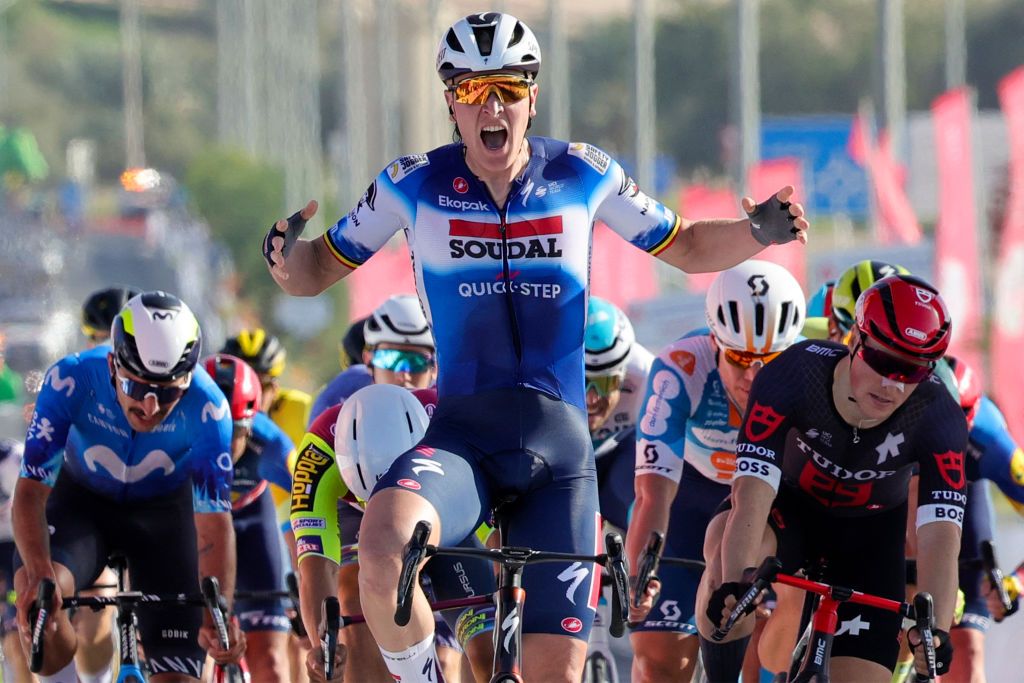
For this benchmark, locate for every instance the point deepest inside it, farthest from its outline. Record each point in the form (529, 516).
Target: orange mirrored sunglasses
(477, 90)
(744, 360)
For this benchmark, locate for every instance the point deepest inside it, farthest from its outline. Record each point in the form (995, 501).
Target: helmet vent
(734, 315)
(759, 319)
(359, 471)
(453, 42)
(484, 39)
(783, 316)
(408, 421)
(517, 35)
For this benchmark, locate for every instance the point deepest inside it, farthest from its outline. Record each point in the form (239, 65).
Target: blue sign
(834, 182)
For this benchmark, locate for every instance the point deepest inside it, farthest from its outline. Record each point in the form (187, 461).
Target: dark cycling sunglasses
(893, 367)
(138, 391)
(400, 360)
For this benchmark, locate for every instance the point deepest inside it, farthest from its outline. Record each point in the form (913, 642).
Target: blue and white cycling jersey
(504, 288)
(79, 424)
(344, 384)
(687, 415)
(994, 455)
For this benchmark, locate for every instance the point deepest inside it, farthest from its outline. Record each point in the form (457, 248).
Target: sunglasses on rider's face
(138, 391)
(477, 90)
(603, 385)
(744, 360)
(401, 360)
(893, 367)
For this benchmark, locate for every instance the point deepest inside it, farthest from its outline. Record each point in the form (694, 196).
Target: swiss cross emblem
(762, 421)
(951, 467)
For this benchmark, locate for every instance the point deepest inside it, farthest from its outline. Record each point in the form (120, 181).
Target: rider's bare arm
(711, 245)
(319, 580)
(310, 269)
(654, 496)
(751, 501)
(28, 514)
(938, 544)
(215, 540)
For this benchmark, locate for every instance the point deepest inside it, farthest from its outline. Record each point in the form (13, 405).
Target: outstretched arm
(717, 244)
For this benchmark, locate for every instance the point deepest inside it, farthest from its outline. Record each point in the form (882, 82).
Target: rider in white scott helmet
(375, 425)
(399, 346)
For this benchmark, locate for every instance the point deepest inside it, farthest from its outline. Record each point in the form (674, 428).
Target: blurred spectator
(10, 381)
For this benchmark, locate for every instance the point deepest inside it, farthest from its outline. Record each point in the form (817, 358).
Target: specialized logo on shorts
(406, 165)
(310, 467)
(485, 240)
(951, 467)
(410, 484)
(762, 421)
(460, 185)
(309, 544)
(594, 157)
(686, 361)
(429, 466)
(572, 625)
(574, 575)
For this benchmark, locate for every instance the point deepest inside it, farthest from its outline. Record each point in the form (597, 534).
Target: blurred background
(152, 142)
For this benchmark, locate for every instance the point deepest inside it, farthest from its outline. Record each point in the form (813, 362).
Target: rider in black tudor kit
(842, 429)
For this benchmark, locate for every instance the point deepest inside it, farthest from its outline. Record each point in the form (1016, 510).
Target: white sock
(69, 674)
(104, 676)
(418, 664)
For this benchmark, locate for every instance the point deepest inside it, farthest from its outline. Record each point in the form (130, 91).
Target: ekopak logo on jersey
(532, 238)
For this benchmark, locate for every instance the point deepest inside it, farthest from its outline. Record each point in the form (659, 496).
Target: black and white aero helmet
(399, 320)
(490, 41)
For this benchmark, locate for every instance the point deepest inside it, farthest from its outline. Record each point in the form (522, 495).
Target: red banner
(765, 179)
(896, 221)
(619, 272)
(388, 272)
(956, 240)
(701, 202)
(1008, 316)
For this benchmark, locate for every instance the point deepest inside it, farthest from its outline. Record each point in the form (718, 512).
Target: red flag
(765, 179)
(389, 272)
(857, 143)
(1008, 318)
(956, 242)
(618, 272)
(700, 202)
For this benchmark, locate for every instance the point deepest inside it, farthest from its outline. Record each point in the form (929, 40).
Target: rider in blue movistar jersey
(398, 330)
(140, 439)
(686, 447)
(499, 229)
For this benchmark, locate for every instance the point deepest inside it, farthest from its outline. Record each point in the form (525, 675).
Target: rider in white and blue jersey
(697, 392)
(499, 229)
(398, 349)
(128, 451)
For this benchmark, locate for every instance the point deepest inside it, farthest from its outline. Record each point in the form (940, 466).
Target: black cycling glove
(771, 222)
(716, 603)
(296, 224)
(943, 651)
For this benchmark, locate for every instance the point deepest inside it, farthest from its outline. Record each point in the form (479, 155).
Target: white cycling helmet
(755, 307)
(489, 41)
(156, 337)
(375, 425)
(607, 338)
(399, 320)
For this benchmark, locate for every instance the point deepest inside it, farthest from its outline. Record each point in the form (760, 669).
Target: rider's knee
(652, 663)
(269, 662)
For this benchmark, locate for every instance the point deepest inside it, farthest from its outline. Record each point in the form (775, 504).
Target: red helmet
(968, 384)
(906, 315)
(239, 382)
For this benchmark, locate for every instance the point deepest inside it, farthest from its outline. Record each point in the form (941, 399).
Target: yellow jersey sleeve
(291, 412)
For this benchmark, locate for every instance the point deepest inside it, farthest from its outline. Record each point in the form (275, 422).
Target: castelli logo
(924, 296)
(410, 484)
(572, 624)
(460, 185)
